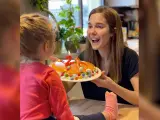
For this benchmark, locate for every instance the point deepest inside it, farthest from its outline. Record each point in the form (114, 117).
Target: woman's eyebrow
(96, 23)
(100, 23)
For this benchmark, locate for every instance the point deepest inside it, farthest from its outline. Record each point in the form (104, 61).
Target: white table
(86, 107)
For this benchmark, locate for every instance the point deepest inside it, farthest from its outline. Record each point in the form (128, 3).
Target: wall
(27, 8)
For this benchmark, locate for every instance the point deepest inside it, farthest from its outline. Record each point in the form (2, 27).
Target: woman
(106, 50)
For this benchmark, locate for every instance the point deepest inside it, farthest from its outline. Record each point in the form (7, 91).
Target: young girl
(42, 93)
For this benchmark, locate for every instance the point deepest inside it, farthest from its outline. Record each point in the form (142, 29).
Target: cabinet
(123, 3)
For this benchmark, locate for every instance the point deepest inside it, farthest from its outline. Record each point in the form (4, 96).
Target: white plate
(85, 79)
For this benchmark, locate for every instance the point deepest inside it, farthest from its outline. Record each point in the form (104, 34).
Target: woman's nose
(93, 31)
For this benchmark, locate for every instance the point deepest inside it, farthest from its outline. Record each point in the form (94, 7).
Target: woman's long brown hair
(116, 43)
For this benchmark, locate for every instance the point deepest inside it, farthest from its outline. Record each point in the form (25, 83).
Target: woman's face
(98, 31)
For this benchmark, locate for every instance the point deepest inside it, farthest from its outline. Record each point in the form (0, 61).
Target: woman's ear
(111, 35)
(112, 32)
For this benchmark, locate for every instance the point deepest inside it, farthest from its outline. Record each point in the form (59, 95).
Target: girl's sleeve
(58, 98)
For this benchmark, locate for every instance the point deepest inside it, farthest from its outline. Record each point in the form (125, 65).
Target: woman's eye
(89, 26)
(99, 26)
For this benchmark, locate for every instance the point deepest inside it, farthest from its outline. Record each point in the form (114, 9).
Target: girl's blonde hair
(35, 29)
(116, 43)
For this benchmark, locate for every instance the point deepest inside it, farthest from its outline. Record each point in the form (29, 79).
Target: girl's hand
(103, 81)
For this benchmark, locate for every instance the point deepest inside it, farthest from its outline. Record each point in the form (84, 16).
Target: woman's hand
(103, 81)
(128, 95)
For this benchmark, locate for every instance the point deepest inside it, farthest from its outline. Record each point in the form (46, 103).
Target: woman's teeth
(95, 41)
